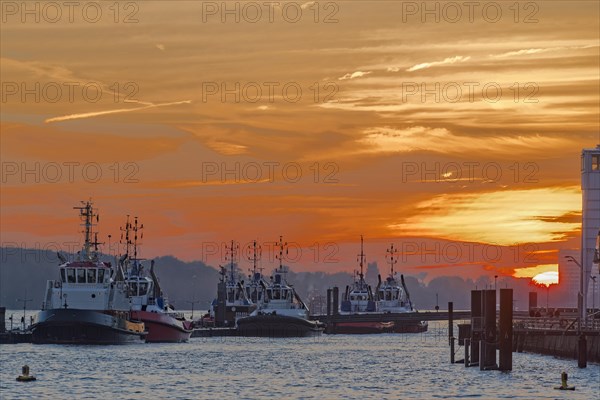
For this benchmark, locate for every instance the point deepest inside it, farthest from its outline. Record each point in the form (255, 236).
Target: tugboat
(232, 300)
(377, 312)
(281, 313)
(359, 299)
(147, 301)
(393, 297)
(87, 305)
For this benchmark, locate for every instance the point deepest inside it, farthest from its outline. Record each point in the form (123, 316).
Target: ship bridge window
(100, 276)
(80, 275)
(595, 162)
(133, 288)
(63, 278)
(71, 275)
(91, 275)
(143, 288)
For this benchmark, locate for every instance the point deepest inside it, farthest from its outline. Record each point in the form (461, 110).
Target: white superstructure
(86, 284)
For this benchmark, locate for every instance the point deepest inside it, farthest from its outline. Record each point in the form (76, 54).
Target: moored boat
(232, 300)
(366, 311)
(88, 304)
(281, 313)
(393, 297)
(359, 297)
(147, 300)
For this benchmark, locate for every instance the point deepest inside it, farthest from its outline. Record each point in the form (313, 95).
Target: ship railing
(594, 324)
(178, 315)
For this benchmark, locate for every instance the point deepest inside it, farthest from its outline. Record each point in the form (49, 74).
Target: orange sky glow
(378, 144)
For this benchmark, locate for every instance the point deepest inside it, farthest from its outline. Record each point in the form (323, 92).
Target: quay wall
(555, 343)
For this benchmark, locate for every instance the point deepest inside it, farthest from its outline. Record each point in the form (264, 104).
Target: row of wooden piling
(481, 338)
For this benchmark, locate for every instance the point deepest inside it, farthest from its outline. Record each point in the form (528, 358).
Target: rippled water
(328, 367)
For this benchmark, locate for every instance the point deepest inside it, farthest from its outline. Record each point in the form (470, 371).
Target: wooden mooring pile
(490, 337)
(482, 337)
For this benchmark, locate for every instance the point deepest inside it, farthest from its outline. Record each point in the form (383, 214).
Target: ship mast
(87, 214)
(231, 255)
(282, 246)
(136, 228)
(127, 240)
(256, 255)
(392, 259)
(361, 258)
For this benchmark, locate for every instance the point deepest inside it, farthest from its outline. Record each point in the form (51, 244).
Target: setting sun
(546, 278)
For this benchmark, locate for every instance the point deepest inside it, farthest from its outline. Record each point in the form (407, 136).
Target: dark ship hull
(273, 325)
(370, 323)
(410, 327)
(70, 326)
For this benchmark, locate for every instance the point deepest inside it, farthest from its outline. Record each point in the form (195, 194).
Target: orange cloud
(501, 217)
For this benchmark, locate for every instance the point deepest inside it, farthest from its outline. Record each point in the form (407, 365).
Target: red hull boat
(147, 300)
(363, 327)
(164, 327)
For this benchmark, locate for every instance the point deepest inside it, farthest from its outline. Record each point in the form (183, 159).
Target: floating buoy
(25, 377)
(564, 386)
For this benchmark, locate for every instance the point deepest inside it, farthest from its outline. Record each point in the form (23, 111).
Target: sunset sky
(458, 140)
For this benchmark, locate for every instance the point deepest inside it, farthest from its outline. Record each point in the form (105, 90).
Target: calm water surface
(390, 366)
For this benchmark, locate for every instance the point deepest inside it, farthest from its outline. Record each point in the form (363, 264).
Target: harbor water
(387, 366)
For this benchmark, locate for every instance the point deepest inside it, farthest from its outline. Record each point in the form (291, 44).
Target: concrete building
(590, 222)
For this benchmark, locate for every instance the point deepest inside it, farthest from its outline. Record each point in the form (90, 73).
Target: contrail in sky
(119, 110)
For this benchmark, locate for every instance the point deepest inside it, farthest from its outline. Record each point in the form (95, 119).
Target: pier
(332, 319)
(12, 336)
(491, 333)
(549, 336)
